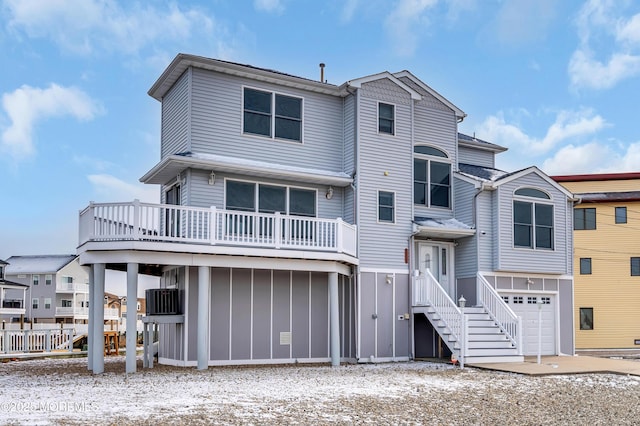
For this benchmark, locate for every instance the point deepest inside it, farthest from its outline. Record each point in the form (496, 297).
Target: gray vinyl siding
(522, 259)
(476, 157)
(487, 222)
(565, 299)
(437, 128)
(466, 255)
(349, 134)
(175, 117)
(383, 244)
(216, 124)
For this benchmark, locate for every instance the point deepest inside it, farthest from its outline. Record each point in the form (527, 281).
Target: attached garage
(525, 305)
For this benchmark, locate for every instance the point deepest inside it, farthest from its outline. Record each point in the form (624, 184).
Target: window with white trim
(47, 303)
(48, 279)
(66, 303)
(532, 220)
(386, 118)
(67, 280)
(35, 302)
(386, 207)
(272, 115)
(266, 198)
(431, 177)
(35, 279)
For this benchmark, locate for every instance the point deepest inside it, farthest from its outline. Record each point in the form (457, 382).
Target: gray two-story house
(301, 221)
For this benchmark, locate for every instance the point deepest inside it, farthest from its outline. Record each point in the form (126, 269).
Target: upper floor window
(1, 272)
(386, 207)
(386, 118)
(431, 177)
(35, 302)
(532, 192)
(272, 115)
(621, 215)
(635, 266)
(532, 225)
(584, 218)
(585, 266)
(67, 280)
(264, 198)
(35, 279)
(48, 279)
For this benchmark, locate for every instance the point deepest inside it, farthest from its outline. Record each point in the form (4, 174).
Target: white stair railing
(427, 291)
(499, 311)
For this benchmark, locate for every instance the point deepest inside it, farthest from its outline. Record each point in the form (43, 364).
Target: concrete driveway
(566, 365)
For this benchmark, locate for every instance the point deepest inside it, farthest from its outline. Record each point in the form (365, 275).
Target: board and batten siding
(510, 258)
(476, 157)
(269, 315)
(216, 124)
(385, 164)
(175, 117)
(487, 223)
(349, 134)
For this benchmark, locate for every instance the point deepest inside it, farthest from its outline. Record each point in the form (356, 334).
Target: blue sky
(554, 81)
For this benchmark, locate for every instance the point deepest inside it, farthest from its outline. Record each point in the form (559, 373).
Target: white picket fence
(24, 341)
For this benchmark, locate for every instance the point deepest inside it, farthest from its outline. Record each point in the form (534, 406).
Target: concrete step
(470, 360)
(492, 352)
(503, 344)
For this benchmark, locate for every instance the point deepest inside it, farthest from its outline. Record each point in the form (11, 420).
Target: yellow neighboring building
(606, 259)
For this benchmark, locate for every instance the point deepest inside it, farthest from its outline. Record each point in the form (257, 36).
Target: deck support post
(132, 316)
(91, 321)
(334, 319)
(98, 318)
(204, 284)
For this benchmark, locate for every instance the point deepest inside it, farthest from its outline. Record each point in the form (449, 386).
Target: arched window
(431, 177)
(532, 219)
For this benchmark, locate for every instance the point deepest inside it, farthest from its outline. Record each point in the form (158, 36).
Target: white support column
(204, 283)
(91, 321)
(145, 346)
(132, 316)
(98, 318)
(334, 319)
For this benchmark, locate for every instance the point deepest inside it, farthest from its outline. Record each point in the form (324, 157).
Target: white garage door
(526, 306)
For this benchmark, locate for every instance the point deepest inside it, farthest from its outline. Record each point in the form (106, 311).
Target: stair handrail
(499, 311)
(450, 314)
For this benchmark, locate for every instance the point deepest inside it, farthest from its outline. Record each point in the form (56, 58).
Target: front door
(438, 258)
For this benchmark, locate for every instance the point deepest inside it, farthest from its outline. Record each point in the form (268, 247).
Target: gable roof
(358, 82)
(459, 113)
(487, 174)
(38, 264)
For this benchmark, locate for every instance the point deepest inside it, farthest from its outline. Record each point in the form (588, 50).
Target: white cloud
(405, 22)
(28, 105)
(609, 49)
(86, 26)
(111, 189)
(524, 21)
(593, 157)
(567, 125)
(271, 6)
(348, 10)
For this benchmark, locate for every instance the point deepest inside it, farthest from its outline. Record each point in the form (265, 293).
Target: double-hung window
(431, 177)
(272, 115)
(532, 220)
(48, 279)
(35, 279)
(386, 118)
(265, 198)
(386, 207)
(584, 219)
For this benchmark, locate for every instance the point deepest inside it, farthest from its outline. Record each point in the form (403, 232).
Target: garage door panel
(526, 306)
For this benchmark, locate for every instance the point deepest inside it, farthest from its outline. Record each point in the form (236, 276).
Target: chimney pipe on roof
(321, 72)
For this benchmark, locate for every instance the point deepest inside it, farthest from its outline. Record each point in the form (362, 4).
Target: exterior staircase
(487, 333)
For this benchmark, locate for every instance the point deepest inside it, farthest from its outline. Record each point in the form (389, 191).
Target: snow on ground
(63, 391)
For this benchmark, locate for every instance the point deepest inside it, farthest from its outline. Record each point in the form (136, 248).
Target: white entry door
(526, 306)
(438, 258)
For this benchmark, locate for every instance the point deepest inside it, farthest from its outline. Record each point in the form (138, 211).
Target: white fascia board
(475, 181)
(483, 147)
(537, 171)
(437, 232)
(428, 89)
(174, 164)
(358, 82)
(183, 61)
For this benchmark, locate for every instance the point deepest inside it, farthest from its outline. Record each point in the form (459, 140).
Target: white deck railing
(499, 311)
(20, 341)
(72, 287)
(70, 311)
(428, 292)
(162, 222)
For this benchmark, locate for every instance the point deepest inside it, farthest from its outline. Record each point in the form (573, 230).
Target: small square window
(546, 300)
(621, 215)
(386, 207)
(586, 318)
(386, 118)
(505, 299)
(635, 266)
(517, 300)
(585, 266)
(532, 300)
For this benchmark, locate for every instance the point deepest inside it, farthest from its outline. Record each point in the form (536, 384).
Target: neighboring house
(58, 287)
(12, 297)
(606, 259)
(307, 222)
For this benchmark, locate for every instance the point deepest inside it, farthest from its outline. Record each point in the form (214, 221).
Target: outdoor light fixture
(212, 178)
(389, 279)
(329, 193)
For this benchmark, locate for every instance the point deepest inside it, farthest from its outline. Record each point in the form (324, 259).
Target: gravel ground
(62, 391)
